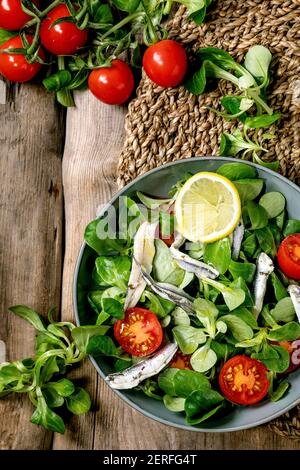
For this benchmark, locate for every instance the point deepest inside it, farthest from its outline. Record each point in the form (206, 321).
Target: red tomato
(12, 17)
(112, 85)
(139, 333)
(64, 38)
(165, 63)
(181, 361)
(293, 348)
(244, 380)
(15, 67)
(289, 256)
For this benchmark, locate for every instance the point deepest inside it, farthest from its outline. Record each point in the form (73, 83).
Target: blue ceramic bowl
(157, 182)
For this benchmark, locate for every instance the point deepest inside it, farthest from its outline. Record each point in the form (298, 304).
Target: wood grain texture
(94, 136)
(93, 141)
(32, 132)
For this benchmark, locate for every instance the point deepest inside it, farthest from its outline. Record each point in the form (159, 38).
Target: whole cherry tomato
(64, 38)
(139, 333)
(288, 256)
(112, 85)
(15, 67)
(165, 63)
(243, 380)
(12, 17)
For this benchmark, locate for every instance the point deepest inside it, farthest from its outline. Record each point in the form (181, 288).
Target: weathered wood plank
(94, 138)
(3, 92)
(32, 132)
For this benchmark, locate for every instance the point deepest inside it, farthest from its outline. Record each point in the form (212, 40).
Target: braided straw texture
(164, 125)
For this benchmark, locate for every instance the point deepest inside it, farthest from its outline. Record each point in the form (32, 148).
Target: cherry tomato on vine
(165, 63)
(112, 85)
(64, 38)
(139, 333)
(12, 17)
(289, 256)
(244, 380)
(293, 348)
(15, 67)
(181, 361)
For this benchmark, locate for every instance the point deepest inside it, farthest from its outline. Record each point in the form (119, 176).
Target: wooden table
(56, 168)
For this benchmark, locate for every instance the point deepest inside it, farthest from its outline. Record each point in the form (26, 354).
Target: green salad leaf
(204, 358)
(165, 269)
(218, 254)
(114, 270)
(188, 338)
(237, 171)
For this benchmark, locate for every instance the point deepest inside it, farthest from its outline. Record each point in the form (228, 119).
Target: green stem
(255, 137)
(168, 7)
(254, 95)
(247, 138)
(34, 12)
(82, 12)
(215, 71)
(35, 42)
(71, 7)
(50, 7)
(79, 358)
(85, 22)
(61, 62)
(43, 13)
(122, 23)
(152, 31)
(32, 398)
(225, 115)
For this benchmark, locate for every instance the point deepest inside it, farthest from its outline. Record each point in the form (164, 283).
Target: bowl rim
(119, 393)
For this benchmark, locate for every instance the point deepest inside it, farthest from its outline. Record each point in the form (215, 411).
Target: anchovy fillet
(264, 267)
(189, 264)
(294, 292)
(169, 292)
(143, 253)
(238, 236)
(134, 375)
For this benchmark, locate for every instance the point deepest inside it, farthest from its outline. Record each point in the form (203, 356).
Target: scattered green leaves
(58, 346)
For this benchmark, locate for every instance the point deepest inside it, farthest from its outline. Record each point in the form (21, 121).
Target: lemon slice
(207, 208)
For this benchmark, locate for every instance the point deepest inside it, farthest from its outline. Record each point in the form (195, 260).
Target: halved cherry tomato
(139, 333)
(112, 85)
(181, 361)
(12, 17)
(289, 256)
(244, 380)
(293, 348)
(15, 67)
(64, 38)
(165, 63)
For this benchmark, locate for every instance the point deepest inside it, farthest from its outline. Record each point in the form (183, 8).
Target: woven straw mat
(164, 125)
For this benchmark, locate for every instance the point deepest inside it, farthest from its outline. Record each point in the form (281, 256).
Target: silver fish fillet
(143, 253)
(171, 293)
(238, 236)
(189, 264)
(134, 375)
(264, 267)
(294, 292)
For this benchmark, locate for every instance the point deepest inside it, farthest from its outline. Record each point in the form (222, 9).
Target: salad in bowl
(196, 294)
